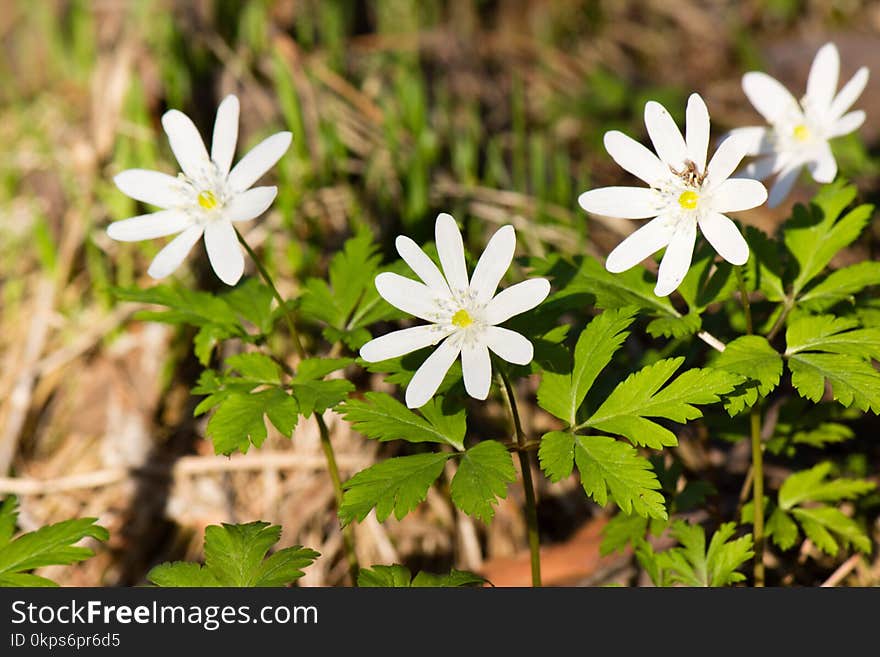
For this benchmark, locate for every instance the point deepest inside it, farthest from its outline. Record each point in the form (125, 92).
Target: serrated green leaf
(556, 455)
(853, 381)
(395, 485)
(238, 420)
(50, 545)
(622, 530)
(235, 556)
(318, 396)
(674, 327)
(252, 300)
(828, 333)
(313, 369)
(639, 396)
(398, 576)
(256, 367)
(841, 285)
(482, 477)
(694, 565)
(825, 525)
(811, 486)
(630, 288)
(562, 394)
(610, 466)
(753, 357)
(782, 529)
(382, 417)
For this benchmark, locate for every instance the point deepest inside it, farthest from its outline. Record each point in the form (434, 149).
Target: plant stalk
(326, 445)
(528, 484)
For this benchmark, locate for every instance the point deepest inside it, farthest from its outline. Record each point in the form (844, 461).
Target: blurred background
(491, 110)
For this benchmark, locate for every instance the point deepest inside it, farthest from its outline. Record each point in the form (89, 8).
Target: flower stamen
(462, 319)
(207, 200)
(801, 132)
(688, 200)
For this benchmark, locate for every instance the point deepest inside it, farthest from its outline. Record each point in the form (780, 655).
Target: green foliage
(398, 576)
(643, 395)
(395, 485)
(694, 565)
(47, 546)
(382, 417)
(483, 475)
(841, 285)
(235, 555)
(753, 357)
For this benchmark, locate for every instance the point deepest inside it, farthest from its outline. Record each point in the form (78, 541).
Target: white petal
(822, 81)
(635, 158)
(493, 263)
(665, 135)
(763, 167)
(224, 251)
(849, 94)
(756, 139)
(724, 162)
(847, 124)
(516, 299)
(398, 343)
(697, 131)
(450, 247)
(783, 184)
(149, 226)
(225, 134)
(768, 96)
(623, 202)
(736, 194)
(725, 238)
(641, 244)
(186, 143)
(430, 375)
(476, 365)
(422, 265)
(823, 166)
(151, 187)
(258, 161)
(170, 257)
(408, 295)
(509, 345)
(250, 203)
(677, 259)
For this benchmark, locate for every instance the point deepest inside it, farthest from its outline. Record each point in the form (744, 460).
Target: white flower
(799, 132)
(684, 192)
(206, 198)
(464, 315)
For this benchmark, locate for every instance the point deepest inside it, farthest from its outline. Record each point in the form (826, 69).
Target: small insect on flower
(206, 198)
(463, 314)
(684, 192)
(799, 132)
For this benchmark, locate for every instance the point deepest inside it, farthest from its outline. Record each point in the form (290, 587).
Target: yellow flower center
(688, 200)
(207, 200)
(461, 319)
(801, 132)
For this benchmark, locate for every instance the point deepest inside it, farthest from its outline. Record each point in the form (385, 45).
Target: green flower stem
(326, 445)
(757, 450)
(528, 485)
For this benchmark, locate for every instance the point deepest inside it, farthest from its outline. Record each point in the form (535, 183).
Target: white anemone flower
(206, 198)
(463, 314)
(684, 192)
(799, 132)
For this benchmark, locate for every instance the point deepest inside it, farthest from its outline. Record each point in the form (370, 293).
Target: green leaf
(841, 285)
(255, 367)
(853, 381)
(483, 475)
(46, 546)
(694, 565)
(398, 576)
(627, 408)
(252, 300)
(235, 556)
(622, 530)
(397, 484)
(814, 235)
(383, 418)
(753, 357)
(764, 268)
(838, 335)
(782, 529)
(674, 327)
(825, 525)
(811, 486)
(562, 394)
(610, 466)
(556, 455)
(238, 420)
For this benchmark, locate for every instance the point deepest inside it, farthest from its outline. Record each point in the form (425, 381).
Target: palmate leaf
(563, 394)
(238, 421)
(753, 357)
(642, 395)
(398, 576)
(46, 546)
(482, 477)
(382, 417)
(396, 485)
(609, 466)
(853, 380)
(841, 285)
(235, 555)
(693, 565)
